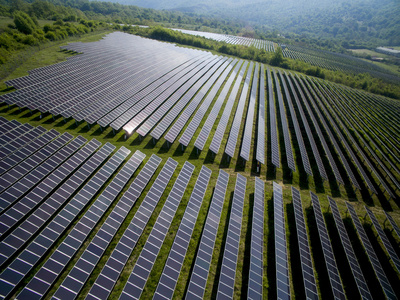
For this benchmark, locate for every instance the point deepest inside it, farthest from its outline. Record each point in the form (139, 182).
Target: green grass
(52, 55)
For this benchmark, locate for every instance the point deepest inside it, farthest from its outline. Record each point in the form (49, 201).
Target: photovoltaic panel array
(8, 126)
(177, 88)
(91, 256)
(255, 286)
(169, 277)
(332, 139)
(73, 283)
(304, 248)
(373, 258)
(123, 111)
(333, 273)
(281, 258)
(102, 79)
(393, 223)
(285, 126)
(273, 123)
(26, 260)
(348, 249)
(196, 90)
(208, 125)
(198, 279)
(119, 257)
(19, 188)
(347, 146)
(14, 133)
(188, 90)
(52, 268)
(310, 136)
(260, 155)
(198, 117)
(360, 149)
(201, 90)
(320, 134)
(248, 127)
(19, 171)
(299, 137)
(141, 271)
(226, 283)
(21, 141)
(220, 131)
(385, 240)
(18, 156)
(237, 121)
(56, 174)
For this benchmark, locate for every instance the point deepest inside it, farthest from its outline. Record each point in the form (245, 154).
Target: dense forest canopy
(353, 23)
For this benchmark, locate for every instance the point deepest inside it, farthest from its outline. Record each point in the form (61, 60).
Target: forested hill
(356, 23)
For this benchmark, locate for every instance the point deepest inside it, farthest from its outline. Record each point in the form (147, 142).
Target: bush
(24, 23)
(50, 36)
(30, 40)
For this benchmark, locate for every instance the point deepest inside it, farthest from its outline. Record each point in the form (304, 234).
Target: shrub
(51, 36)
(24, 23)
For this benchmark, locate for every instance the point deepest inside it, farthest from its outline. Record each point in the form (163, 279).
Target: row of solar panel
(31, 254)
(172, 87)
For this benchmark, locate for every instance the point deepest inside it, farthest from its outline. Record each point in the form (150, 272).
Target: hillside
(354, 22)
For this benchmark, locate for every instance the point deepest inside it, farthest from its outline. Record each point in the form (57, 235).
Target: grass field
(52, 54)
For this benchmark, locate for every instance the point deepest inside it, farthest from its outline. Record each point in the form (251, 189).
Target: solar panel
(18, 156)
(285, 126)
(281, 259)
(333, 140)
(361, 152)
(237, 121)
(14, 134)
(47, 274)
(300, 141)
(348, 249)
(310, 136)
(248, 127)
(198, 279)
(169, 277)
(124, 112)
(228, 269)
(208, 125)
(393, 223)
(220, 131)
(56, 175)
(385, 240)
(10, 278)
(353, 142)
(255, 285)
(118, 258)
(9, 126)
(86, 263)
(304, 248)
(21, 141)
(320, 134)
(188, 90)
(198, 117)
(333, 273)
(141, 271)
(273, 123)
(29, 166)
(147, 108)
(260, 154)
(385, 284)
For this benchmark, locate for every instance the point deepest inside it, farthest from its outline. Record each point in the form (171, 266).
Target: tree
(24, 23)
(277, 58)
